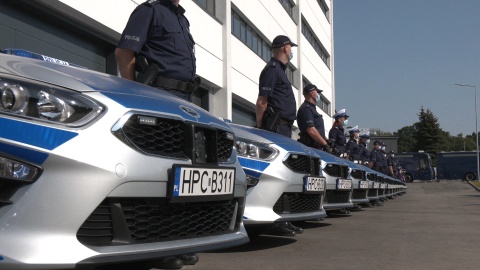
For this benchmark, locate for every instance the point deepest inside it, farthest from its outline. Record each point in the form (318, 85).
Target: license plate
(313, 184)
(376, 185)
(363, 185)
(191, 183)
(383, 186)
(344, 184)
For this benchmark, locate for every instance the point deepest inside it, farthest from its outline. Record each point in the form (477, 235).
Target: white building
(232, 43)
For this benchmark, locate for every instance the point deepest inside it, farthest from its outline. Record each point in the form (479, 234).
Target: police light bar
(27, 54)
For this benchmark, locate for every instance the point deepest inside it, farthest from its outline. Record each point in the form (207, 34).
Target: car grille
(381, 192)
(131, 221)
(303, 164)
(335, 196)
(358, 174)
(336, 170)
(298, 203)
(372, 176)
(372, 192)
(176, 139)
(7, 189)
(359, 194)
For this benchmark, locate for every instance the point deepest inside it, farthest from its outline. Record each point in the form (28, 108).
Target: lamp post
(476, 124)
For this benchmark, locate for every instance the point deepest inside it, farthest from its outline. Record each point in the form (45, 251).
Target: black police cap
(280, 41)
(377, 143)
(309, 88)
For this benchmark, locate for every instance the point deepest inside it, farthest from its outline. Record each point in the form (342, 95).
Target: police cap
(280, 41)
(309, 88)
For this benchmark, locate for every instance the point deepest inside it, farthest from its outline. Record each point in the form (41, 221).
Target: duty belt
(174, 84)
(285, 122)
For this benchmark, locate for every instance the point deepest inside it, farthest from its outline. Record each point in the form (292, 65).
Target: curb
(475, 187)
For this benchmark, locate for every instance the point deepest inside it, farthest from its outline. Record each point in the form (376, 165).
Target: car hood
(329, 158)
(130, 94)
(267, 137)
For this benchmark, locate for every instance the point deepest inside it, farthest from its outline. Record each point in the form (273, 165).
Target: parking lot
(436, 225)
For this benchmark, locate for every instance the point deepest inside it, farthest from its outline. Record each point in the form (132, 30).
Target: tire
(470, 176)
(409, 178)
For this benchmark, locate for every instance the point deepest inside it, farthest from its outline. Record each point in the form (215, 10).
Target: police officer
(376, 157)
(157, 43)
(310, 122)
(337, 133)
(158, 32)
(392, 164)
(353, 149)
(384, 159)
(364, 153)
(276, 108)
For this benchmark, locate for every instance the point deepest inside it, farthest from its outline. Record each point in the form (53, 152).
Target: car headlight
(251, 149)
(45, 102)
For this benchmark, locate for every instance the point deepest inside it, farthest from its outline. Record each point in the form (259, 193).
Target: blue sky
(394, 56)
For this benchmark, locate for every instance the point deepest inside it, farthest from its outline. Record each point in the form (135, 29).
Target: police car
(360, 182)
(339, 187)
(284, 178)
(95, 169)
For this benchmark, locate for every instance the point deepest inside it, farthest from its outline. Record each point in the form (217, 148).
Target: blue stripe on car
(253, 167)
(23, 153)
(34, 135)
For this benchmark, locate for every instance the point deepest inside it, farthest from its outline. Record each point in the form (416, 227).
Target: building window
(207, 5)
(248, 36)
(323, 103)
(324, 8)
(288, 6)
(316, 44)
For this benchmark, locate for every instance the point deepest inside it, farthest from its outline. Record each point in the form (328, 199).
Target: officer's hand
(327, 148)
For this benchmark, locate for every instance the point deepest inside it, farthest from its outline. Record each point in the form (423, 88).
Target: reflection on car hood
(267, 137)
(128, 93)
(329, 158)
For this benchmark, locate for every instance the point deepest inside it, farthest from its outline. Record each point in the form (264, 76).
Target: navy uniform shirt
(364, 153)
(354, 149)
(337, 134)
(158, 30)
(376, 158)
(308, 116)
(275, 85)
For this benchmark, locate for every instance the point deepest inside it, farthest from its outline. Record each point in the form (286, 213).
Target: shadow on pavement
(261, 242)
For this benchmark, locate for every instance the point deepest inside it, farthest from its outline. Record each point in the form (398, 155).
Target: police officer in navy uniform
(352, 147)
(364, 153)
(376, 161)
(310, 122)
(275, 94)
(337, 133)
(159, 32)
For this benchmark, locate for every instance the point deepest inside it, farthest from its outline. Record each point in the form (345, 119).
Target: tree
(406, 139)
(428, 132)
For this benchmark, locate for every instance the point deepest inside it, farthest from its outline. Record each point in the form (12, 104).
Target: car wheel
(469, 176)
(409, 178)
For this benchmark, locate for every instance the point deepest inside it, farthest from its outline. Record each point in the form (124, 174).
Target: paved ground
(436, 225)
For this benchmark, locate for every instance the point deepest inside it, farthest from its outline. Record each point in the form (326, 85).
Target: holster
(270, 119)
(147, 73)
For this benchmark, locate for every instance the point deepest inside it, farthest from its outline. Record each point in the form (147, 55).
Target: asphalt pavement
(436, 225)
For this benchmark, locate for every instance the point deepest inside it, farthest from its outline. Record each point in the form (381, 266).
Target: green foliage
(406, 139)
(427, 135)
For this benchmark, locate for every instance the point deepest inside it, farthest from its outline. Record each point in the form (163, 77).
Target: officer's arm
(126, 63)
(260, 109)
(313, 132)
